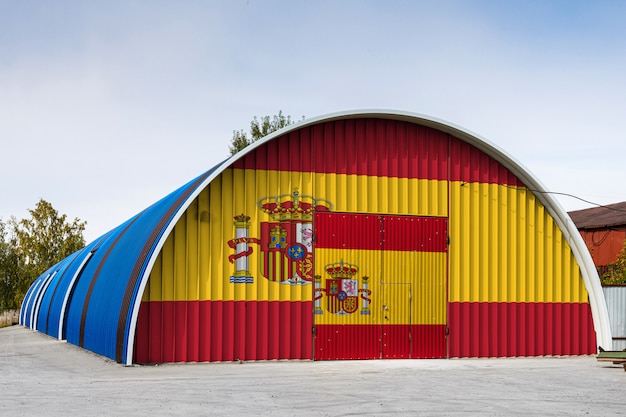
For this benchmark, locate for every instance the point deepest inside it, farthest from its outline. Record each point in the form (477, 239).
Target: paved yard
(42, 376)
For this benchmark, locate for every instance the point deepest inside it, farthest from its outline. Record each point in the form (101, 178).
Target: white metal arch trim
(37, 304)
(26, 305)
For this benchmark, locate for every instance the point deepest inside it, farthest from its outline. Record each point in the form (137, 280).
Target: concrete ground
(42, 376)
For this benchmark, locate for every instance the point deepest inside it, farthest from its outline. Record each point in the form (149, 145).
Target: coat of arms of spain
(286, 241)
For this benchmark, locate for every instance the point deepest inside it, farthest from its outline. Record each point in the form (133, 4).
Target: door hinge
(448, 240)
(447, 331)
(314, 331)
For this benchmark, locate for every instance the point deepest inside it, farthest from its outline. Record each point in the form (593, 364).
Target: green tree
(33, 245)
(258, 128)
(9, 270)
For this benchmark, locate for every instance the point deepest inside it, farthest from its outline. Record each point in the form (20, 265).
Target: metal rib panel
(43, 315)
(41, 281)
(26, 302)
(515, 286)
(25, 313)
(616, 302)
(78, 300)
(42, 293)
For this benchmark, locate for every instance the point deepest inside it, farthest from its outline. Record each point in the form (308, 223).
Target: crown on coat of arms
(241, 220)
(341, 270)
(294, 206)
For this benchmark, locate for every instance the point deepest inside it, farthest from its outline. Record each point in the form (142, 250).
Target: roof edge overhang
(600, 226)
(563, 220)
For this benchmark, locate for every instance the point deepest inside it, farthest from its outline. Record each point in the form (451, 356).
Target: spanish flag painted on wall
(364, 238)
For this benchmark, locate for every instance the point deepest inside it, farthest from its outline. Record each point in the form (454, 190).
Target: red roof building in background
(604, 231)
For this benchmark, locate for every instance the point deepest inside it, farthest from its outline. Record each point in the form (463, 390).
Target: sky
(108, 106)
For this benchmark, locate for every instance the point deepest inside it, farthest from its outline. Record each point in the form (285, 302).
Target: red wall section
(520, 329)
(469, 164)
(604, 245)
(347, 342)
(203, 331)
(347, 231)
(380, 341)
(378, 147)
(374, 147)
(365, 231)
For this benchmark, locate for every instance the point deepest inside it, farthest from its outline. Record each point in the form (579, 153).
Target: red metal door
(396, 329)
(380, 286)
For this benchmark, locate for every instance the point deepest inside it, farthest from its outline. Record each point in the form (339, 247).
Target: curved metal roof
(88, 297)
(97, 291)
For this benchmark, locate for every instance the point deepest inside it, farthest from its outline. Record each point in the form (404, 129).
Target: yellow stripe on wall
(347, 193)
(505, 247)
(193, 264)
(392, 276)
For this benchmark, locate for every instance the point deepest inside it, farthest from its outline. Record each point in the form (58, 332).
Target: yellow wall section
(505, 247)
(393, 277)
(182, 269)
(383, 195)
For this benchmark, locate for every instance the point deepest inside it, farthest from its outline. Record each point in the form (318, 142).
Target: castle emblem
(342, 290)
(286, 241)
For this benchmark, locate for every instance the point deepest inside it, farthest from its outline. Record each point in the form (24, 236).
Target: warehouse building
(604, 232)
(356, 235)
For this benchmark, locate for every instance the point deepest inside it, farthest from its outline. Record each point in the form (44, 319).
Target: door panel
(347, 260)
(380, 285)
(415, 253)
(396, 320)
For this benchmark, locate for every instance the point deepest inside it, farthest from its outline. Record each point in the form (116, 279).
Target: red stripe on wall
(418, 341)
(378, 232)
(520, 329)
(228, 331)
(347, 231)
(469, 164)
(347, 342)
(414, 233)
(378, 147)
(216, 331)
(375, 147)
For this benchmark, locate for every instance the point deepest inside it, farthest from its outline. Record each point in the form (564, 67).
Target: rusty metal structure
(604, 231)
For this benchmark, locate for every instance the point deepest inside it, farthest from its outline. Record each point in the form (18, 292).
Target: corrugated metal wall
(515, 287)
(241, 277)
(604, 245)
(195, 318)
(615, 296)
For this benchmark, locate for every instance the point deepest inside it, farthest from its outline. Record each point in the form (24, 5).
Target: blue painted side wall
(100, 282)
